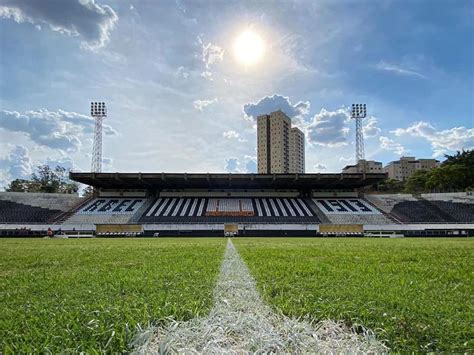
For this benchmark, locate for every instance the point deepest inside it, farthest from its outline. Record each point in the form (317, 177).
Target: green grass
(416, 294)
(92, 295)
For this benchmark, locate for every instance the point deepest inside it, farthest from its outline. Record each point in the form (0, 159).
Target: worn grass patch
(416, 294)
(93, 295)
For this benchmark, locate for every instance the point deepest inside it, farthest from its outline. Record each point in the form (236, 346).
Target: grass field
(416, 294)
(92, 295)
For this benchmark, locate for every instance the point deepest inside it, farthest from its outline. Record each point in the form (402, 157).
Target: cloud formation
(53, 129)
(370, 128)
(276, 102)
(211, 53)
(231, 134)
(85, 18)
(453, 139)
(389, 144)
(397, 69)
(17, 164)
(320, 167)
(202, 104)
(329, 128)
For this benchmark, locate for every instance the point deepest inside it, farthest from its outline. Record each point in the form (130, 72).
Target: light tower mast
(98, 112)
(358, 113)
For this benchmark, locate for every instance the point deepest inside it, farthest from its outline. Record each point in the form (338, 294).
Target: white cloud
(85, 18)
(17, 164)
(320, 167)
(231, 134)
(397, 69)
(207, 75)
(389, 144)
(211, 54)
(181, 72)
(54, 129)
(329, 128)
(64, 162)
(277, 102)
(202, 104)
(370, 128)
(453, 139)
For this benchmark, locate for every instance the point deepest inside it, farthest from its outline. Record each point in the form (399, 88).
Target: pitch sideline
(240, 322)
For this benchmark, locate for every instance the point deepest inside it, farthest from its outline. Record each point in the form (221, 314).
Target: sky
(181, 99)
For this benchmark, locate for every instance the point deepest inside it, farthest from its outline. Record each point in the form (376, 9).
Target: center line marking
(240, 322)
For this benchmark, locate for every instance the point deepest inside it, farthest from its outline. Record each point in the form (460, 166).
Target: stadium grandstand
(166, 204)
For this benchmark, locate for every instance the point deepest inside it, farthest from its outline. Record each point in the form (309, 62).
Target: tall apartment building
(296, 151)
(280, 148)
(405, 167)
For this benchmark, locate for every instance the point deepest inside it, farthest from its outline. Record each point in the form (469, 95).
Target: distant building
(364, 166)
(405, 167)
(280, 148)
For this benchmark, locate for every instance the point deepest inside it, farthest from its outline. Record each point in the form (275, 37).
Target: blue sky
(179, 100)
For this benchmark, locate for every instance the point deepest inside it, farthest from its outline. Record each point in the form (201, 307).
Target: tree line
(47, 180)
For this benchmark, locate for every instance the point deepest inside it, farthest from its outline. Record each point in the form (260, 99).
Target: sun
(249, 48)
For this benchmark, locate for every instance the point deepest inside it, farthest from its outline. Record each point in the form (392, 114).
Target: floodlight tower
(98, 112)
(358, 113)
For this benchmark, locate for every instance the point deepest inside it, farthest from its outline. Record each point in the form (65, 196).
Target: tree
(22, 185)
(448, 178)
(463, 159)
(417, 182)
(391, 185)
(466, 158)
(46, 180)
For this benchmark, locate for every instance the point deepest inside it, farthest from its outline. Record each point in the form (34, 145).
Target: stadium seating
(375, 209)
(11, 212)
(387, 202)
(21, 207)
(460, 197)
(459, 212)
(432, 208)
(350, 211)
(107, 210)
(222, 210)
(58, 202)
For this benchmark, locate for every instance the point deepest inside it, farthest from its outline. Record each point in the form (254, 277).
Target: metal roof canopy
(160, 181)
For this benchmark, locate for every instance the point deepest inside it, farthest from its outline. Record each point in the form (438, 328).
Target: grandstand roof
(226, 181)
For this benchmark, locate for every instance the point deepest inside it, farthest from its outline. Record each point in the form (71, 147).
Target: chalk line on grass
(240, 323)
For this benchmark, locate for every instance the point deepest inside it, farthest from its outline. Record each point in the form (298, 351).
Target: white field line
(241, 323)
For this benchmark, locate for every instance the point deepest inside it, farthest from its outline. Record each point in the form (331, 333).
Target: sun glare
(249, 48)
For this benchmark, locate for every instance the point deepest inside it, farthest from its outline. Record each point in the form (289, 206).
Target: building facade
(405, 167)
(297, 154)
(280, 148)
(364, 166)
